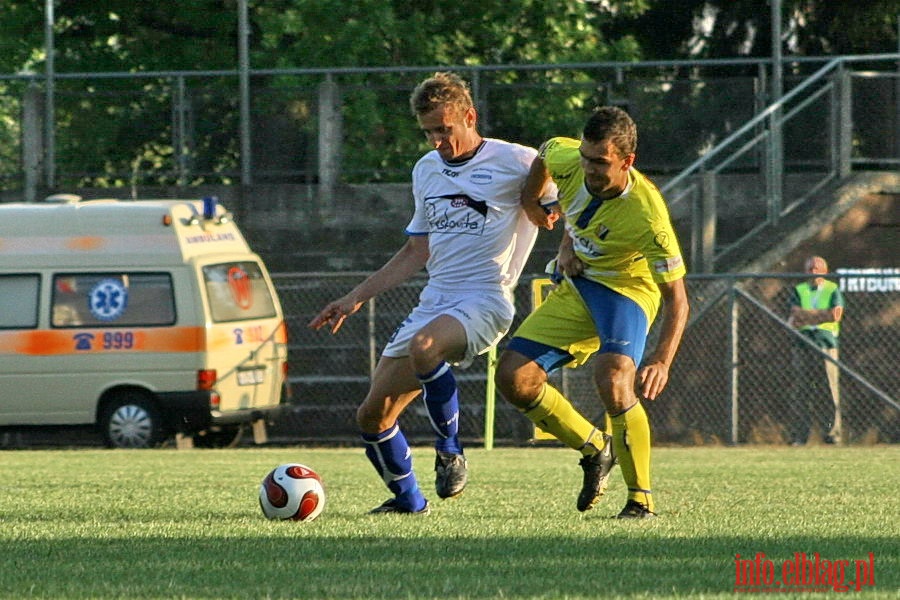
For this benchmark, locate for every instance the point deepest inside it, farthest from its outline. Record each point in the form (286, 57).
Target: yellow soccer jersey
(626, 243)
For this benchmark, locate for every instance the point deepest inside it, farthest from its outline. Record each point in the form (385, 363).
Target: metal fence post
(703, 224)
(760, 101)
(834, 125)
(897, 95)
(845, 122)
(775, 167)
(734, 358)
(481, 102)
(776, 140)
(490, 399)
(244, 86)
(330, 136)
(373, 347)
(49, 102)
(32, 141)
(180, 143)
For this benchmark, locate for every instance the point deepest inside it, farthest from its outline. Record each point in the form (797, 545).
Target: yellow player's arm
(567, 261)
(654, 375)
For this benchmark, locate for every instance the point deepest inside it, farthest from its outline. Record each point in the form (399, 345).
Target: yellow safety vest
(818, 299)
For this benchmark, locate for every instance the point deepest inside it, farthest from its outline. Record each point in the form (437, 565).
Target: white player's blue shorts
(486, 316)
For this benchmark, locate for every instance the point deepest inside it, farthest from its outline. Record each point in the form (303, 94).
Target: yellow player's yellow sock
(631, 441)
(556, 415)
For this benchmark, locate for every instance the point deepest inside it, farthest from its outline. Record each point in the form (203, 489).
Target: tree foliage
(120, 35)
(731, 28)
(101, 133)
(116, 127)
(421, 32)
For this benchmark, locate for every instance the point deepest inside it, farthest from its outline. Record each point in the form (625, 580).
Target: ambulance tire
(130, 419)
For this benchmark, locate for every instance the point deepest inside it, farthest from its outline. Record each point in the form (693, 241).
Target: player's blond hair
(441, 89)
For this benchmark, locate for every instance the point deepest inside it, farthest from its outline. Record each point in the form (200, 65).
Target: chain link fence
(183, 128)
(734, 380)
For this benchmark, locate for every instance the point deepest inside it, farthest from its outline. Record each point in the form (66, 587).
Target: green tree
(120, 35)
(115, 126)
(109, 128)
(730, 28)
(428, 32)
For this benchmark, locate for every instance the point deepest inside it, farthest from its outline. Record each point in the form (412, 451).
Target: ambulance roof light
(209, 207)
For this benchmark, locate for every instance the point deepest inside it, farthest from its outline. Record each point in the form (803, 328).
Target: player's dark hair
(613, 124)
(441, 89)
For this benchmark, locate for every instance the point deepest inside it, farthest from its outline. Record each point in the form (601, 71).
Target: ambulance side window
(19, 304)
(112, 300)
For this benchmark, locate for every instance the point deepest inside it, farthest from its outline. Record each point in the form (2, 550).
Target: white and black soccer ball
(292, 492)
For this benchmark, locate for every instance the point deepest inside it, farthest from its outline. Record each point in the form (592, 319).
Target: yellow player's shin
(556, 415)
(631, 441)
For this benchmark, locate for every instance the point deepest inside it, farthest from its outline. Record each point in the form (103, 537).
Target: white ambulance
(148, 318)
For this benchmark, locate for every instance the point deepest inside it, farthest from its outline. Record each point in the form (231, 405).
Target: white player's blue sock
(389, 453)
(442, 402)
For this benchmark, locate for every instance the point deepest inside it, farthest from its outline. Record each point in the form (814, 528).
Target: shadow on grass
(256, 566)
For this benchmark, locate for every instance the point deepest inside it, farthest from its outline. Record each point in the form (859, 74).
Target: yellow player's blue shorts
(576, 320)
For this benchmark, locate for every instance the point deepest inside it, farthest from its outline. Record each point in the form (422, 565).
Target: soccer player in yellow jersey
(618, 262)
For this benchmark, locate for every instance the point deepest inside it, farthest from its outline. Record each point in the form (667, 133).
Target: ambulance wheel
(130, 419)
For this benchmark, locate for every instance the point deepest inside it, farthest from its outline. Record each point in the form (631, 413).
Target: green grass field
(186, 524)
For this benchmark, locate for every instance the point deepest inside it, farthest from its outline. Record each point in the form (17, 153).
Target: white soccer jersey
(478, 234)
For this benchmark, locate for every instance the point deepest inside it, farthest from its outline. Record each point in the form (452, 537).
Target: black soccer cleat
(635, 510)
(391, 507)
(596, 474)
(451, 474)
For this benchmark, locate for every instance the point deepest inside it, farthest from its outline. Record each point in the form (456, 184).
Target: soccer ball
(292, 492)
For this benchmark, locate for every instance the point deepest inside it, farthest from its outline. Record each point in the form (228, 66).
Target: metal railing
(795, 146)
